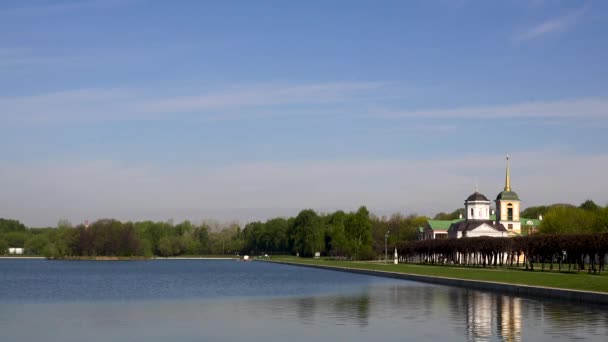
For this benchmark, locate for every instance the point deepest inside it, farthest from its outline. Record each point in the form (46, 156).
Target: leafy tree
(185, 228)
(276, 234)
(7, 226)
(3, 246)
(566, 219)
(16, 238)
(35, 244)
(170, 246)
(335, 241)
(358, 232)
(309, 233)
(534, 212)
(449, 216)
(589, 205)
(64, 223)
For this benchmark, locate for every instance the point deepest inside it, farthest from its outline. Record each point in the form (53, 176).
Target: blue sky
(240, 110)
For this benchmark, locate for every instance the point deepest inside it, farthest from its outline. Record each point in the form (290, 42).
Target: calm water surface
(196, 300)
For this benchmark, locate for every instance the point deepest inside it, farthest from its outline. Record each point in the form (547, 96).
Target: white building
(15, 250)
(477, 221)
(480, 219)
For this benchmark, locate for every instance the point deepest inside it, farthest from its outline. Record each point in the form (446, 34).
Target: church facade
(480, 220)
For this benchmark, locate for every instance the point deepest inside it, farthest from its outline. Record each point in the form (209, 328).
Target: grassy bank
(573, 281)
(101, 258)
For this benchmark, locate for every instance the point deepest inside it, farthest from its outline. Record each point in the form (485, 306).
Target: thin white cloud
(118, 104)
(576, 108)
(553, 25)
(260, 96)
(353, 99)
(59, 7)
(81, 190)
(22, 58)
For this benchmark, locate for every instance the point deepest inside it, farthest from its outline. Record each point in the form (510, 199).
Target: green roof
(508, 195)
(441, 224)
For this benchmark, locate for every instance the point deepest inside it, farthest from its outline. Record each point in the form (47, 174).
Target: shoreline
(195, 258)
(21, 257)
(528, 291)
(108, 258)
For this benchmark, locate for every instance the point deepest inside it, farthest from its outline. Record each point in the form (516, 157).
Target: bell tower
(508, 205)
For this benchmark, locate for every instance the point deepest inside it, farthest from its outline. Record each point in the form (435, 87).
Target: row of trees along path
(576, 250)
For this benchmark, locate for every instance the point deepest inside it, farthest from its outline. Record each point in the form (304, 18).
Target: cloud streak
(335, 99)
(576, 108)
(59, 7)
(550, 26)
(129, 104)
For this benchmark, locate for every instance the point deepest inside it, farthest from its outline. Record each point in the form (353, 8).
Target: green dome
(508, 196)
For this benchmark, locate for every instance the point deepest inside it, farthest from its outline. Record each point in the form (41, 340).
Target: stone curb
(512, 289)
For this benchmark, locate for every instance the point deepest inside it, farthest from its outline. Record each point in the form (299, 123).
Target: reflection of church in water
(481, 220)
(477, 315)
(489, 314)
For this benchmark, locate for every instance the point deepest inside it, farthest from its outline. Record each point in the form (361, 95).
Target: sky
(245, 110)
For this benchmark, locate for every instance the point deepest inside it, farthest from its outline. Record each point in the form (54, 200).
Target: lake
(225, 300)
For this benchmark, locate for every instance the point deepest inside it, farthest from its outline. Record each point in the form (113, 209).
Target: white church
(480, 219)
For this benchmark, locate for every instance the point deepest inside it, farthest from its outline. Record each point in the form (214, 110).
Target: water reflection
(478, 316)
(229, 301)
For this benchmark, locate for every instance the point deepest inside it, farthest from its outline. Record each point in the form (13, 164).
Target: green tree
(336, 242)
(35, 244)
(7, 226)
(449, 216)
(534, 212)
(567, 219)
(3, 246)
(358, 232)
(64, 223)
(589, 205)
(170, 246)
(308, 233)
(276, 234)
(16, 238)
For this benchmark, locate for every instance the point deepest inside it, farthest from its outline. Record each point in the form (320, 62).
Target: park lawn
(573, 281)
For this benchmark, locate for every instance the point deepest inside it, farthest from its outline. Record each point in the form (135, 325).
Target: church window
(510, 226)
(472, 214)
(509, 214)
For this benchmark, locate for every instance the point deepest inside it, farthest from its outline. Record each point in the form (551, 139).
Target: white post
(396, 261)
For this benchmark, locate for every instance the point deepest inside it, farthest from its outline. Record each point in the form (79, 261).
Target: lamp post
(386, 245)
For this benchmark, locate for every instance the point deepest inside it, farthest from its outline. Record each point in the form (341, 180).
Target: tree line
(350, 235)
(552, 250)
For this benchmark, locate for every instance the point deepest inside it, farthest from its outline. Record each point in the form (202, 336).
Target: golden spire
(508, 177)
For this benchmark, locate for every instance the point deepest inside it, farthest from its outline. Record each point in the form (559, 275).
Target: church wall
(481, 210)
(503, 215)
(473, 233)
(503, 209)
